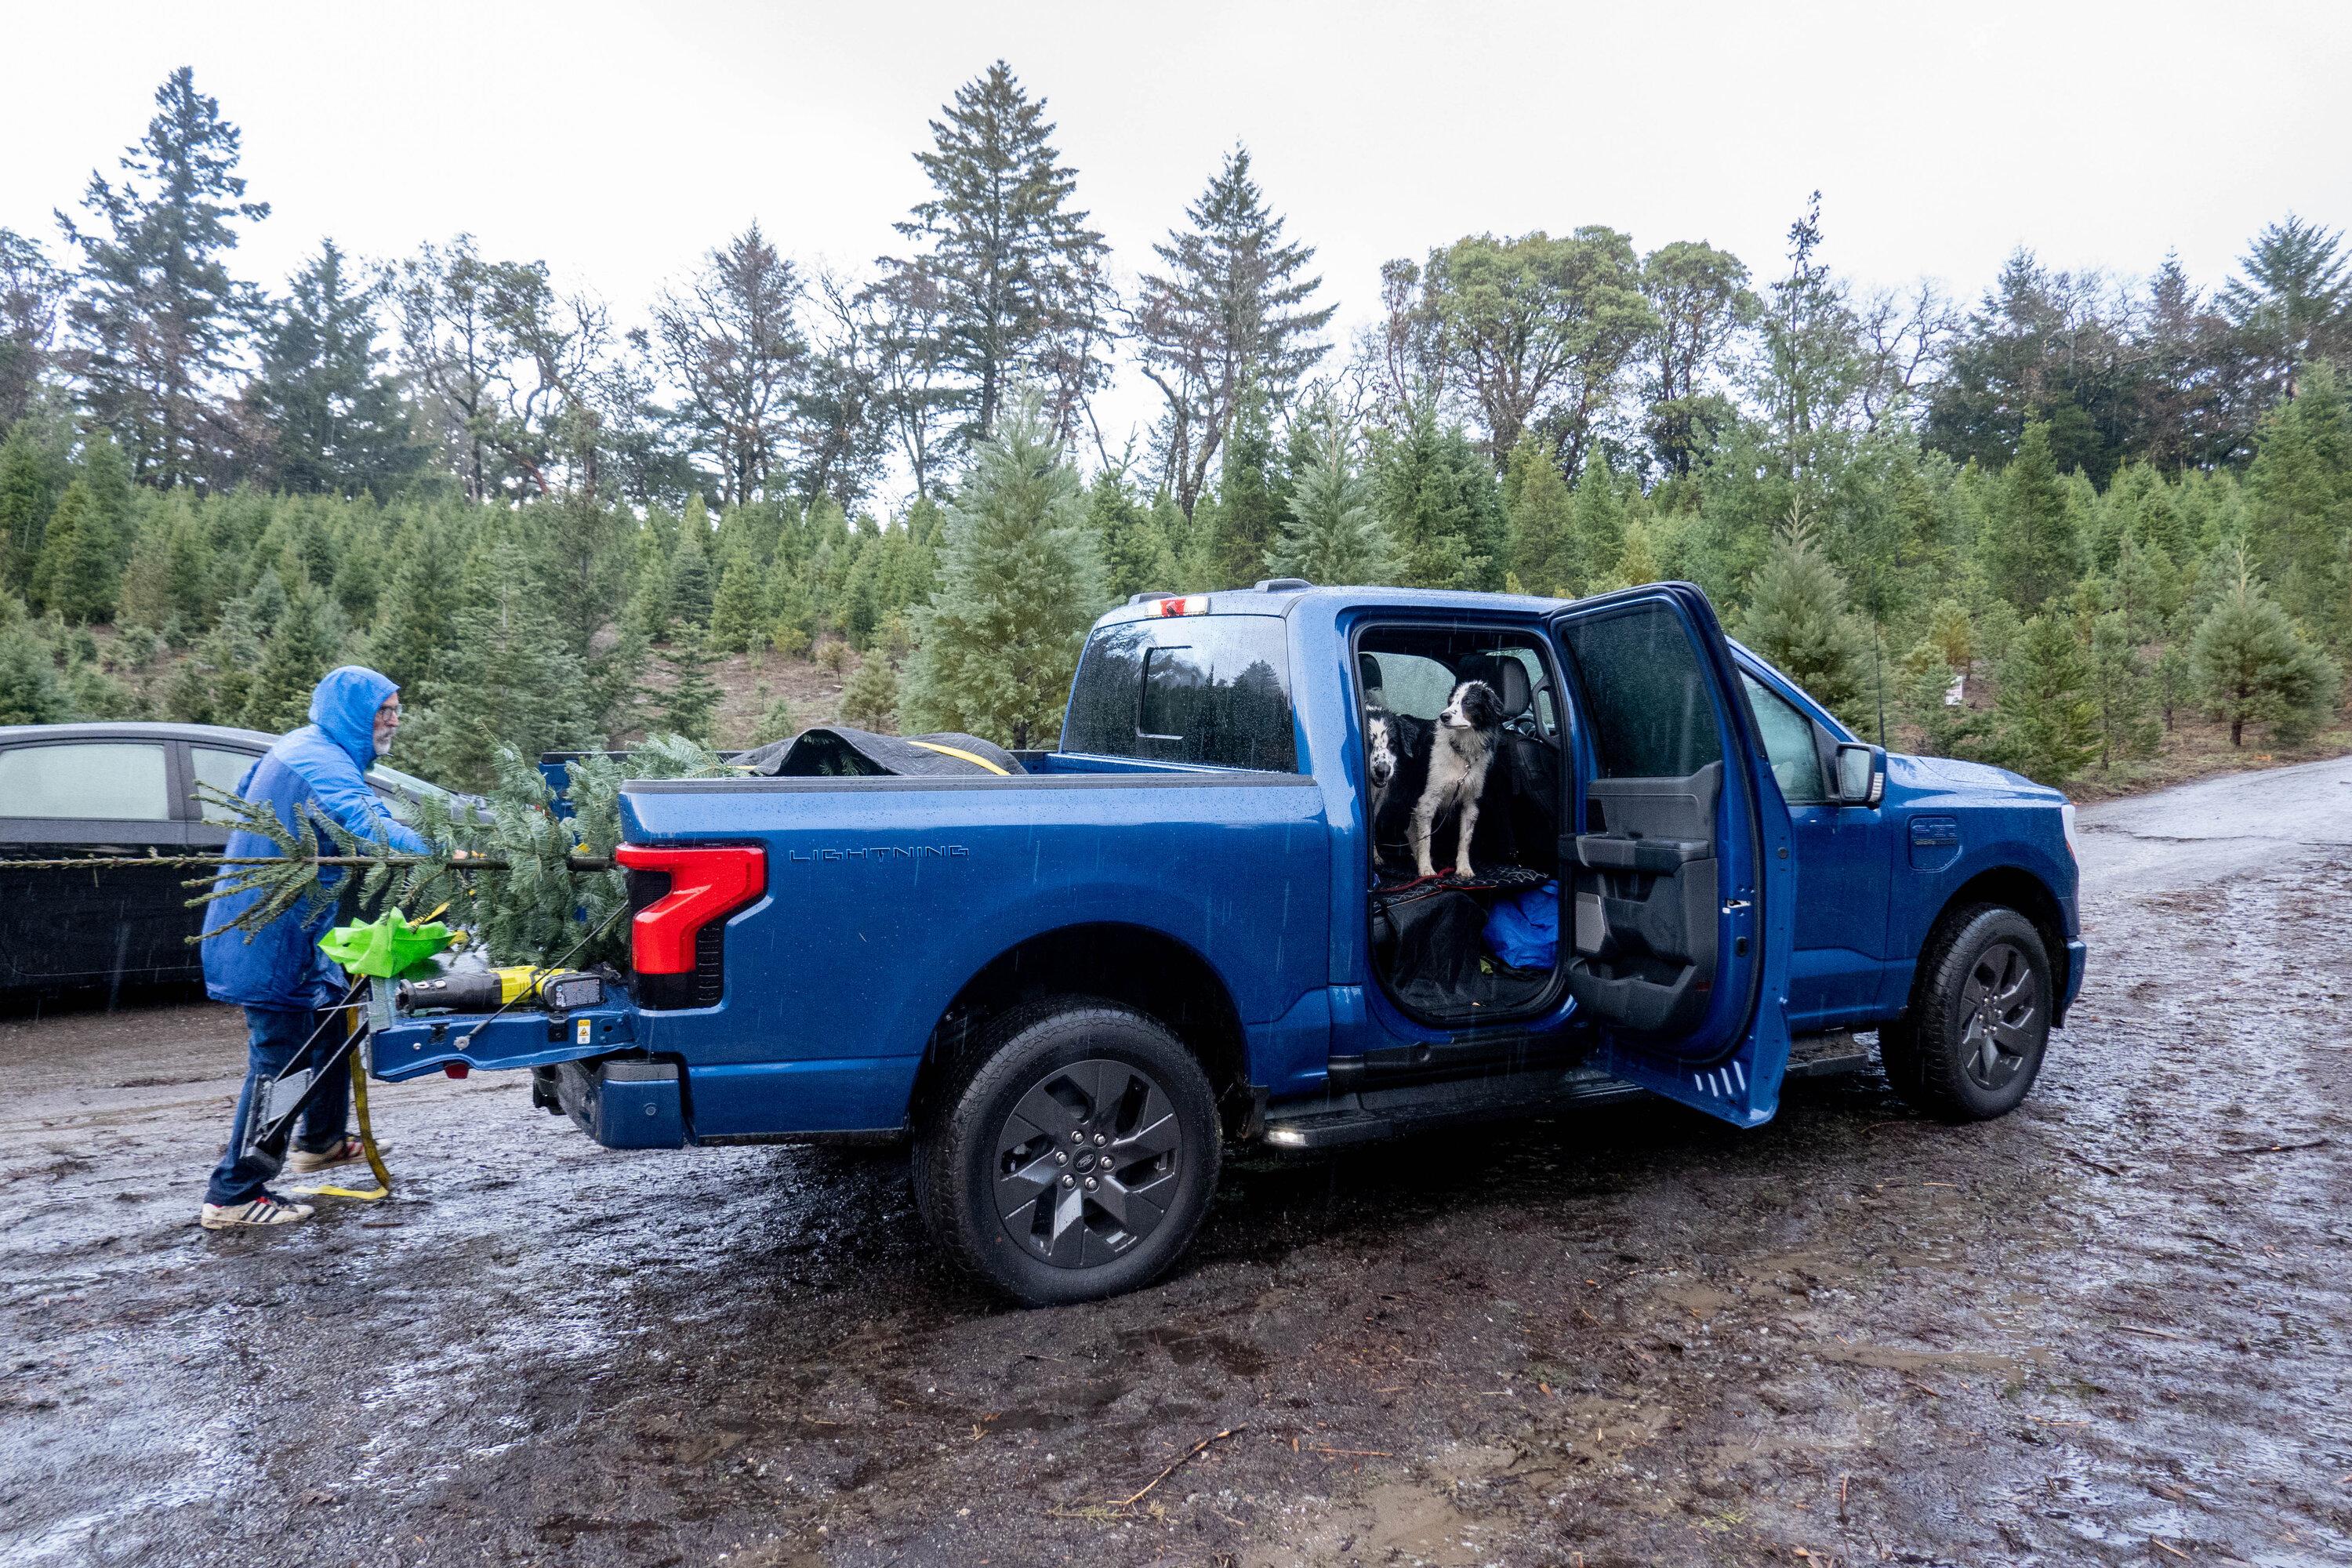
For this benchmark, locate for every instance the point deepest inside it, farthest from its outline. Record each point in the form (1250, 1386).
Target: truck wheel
(1072, 1154)
(1980, 1019)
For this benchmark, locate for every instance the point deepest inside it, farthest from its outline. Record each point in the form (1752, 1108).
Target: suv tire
(1071, 1154)
(1972, 1043)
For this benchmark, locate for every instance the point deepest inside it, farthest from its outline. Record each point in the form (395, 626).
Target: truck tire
(1972, 1043)
(1071, 1154)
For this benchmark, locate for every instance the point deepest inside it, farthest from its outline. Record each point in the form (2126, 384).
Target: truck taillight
(706, 883)
(1182, 605)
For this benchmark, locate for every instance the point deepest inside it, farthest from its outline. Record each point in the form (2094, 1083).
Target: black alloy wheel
(1072, 1154)
(1971, 1043)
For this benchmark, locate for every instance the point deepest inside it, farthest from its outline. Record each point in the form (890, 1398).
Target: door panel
(94, 800)
(1681, 859)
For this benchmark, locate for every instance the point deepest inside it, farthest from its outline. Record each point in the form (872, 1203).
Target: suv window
(1208, 689)
(1787, 741)
(109, 781)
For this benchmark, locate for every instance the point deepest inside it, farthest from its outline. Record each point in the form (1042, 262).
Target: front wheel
(1973, 1041)
(1072, 1155)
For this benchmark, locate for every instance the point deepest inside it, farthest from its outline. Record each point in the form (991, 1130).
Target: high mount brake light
(1182, 605)
(706, 883)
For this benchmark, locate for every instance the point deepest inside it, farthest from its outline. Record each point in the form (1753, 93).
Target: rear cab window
(1212, 690)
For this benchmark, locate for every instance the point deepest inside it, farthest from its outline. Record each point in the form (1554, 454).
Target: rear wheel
(1072, 1154)
(1980, 1021)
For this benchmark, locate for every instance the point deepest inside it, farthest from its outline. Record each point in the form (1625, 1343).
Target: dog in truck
(1461, 750)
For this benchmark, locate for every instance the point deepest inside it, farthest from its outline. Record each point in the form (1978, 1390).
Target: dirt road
(2114, 1328)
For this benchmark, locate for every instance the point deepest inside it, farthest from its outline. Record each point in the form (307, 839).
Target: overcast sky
(617, 142)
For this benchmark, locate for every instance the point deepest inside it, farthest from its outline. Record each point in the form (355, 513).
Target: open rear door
(1675, 865)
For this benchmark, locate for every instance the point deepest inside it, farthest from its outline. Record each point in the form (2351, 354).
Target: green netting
(384, 947)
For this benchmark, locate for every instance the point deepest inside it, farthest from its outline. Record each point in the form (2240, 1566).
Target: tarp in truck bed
(840, 752)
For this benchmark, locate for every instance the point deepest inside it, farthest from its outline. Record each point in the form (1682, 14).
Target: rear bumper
(632, 1103)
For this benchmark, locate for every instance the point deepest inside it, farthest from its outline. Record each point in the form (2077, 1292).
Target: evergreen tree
(2036, 549)
(1596, 526)
(739, 618)
(1247, 519)
(2299, 500)
(329, 420)
(1923, 688)
(1135, 556)
(1018, 274)
(1019, 582)
(2047, 715)
(302, 647)
(1332, 535)
(29, 691)
(2119, 690)
(2252, 665)
(1436, 498)
(31, 478)
(1797, 617)
(510, 678)
(776, 722)
(1227, 323)
(1539, 514)
(691, 702)
(419, 624)
(870, 701)
(77, 575)
(158, 322)
(691, 588)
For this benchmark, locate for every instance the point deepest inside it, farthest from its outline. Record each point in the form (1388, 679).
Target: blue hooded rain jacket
(320, 769)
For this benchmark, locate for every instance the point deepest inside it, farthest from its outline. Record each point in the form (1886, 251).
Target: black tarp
(840, 752)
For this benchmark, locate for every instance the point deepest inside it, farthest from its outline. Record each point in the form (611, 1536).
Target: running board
(1825, 1056)
(1364, 1115)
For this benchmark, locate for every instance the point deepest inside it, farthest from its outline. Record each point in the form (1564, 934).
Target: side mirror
(1861, 774)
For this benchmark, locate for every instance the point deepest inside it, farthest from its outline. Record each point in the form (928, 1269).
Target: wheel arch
(1147, 969)
(2012, 887)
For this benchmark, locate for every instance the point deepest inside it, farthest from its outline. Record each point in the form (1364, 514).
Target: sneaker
(267, 1209)
(302, 1161)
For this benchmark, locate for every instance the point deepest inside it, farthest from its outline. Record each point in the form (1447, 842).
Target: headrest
(1511, 685)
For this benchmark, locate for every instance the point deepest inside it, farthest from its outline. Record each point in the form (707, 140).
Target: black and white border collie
(1461, 750)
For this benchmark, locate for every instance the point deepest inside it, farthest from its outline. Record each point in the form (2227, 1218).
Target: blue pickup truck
(1068, 982)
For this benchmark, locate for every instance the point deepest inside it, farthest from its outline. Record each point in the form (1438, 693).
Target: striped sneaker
(267, 1209)
(302, 1161)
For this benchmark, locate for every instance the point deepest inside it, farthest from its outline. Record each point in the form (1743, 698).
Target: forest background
(2092, 526)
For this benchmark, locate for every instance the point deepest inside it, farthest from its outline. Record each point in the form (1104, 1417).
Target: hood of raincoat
(344, 705)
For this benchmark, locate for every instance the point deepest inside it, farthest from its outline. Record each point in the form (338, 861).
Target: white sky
(617, 142)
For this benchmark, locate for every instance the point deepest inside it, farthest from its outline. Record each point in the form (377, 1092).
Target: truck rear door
(1676, 878)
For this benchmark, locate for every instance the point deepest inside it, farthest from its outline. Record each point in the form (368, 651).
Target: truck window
(1787, 742)
(1213, 689)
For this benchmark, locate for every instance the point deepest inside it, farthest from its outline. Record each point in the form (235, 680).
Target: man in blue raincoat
(279, 977)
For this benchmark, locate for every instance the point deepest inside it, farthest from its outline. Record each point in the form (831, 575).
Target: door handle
(1733, 906)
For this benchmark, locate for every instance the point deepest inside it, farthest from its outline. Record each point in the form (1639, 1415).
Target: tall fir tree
(510, 678)
(1332, 534)
(302, 647)
(419, 623)
(2299, 500)
(1541, 515)
(2034, 550)
(1596, 525)
(159, 322)
(77, 575)
(31, 479)
(2120, 691)
(689, 704)
(329, 420)
(1019, 582)
(1018, 274)
(1135, 556)
(1435, 495)
(870, 701)
(30, 692)
(2047, 713)
(1797, 617)
(691, 588)
(1245, 519)
(739, 617)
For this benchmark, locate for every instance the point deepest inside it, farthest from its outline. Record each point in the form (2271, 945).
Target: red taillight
(706, 884)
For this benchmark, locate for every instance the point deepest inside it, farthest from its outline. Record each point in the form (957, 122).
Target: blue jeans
(274, 1035)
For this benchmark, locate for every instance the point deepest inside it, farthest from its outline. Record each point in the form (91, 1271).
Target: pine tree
(1019, 582)
(2299, 498)
(31, 478)
(1248, 511)
(1018, 274)
(302, 647)
(78, 577)
(2034, 548)
(1797, 617)
(29, 691)
(1332, 535)
(739, 618)
(691, 700)
(2252, 665)
(1922, 683)
(1436, 498)
(870, 701)
(1135, 556)
(158, 322)
(331, 421)
(1597, 524)
(508, 679)
(419, 624)
(776, 722)
(691, 588)
(2119, 688)
(1541, 516)
(2046, 715)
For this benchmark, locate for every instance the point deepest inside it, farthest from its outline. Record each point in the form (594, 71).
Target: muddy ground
(2115, 1327)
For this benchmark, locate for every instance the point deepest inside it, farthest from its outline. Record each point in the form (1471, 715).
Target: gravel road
(2115, 1327)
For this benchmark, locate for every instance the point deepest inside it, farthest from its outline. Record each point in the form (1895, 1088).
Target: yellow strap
(973, 758)
(367, 1135)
